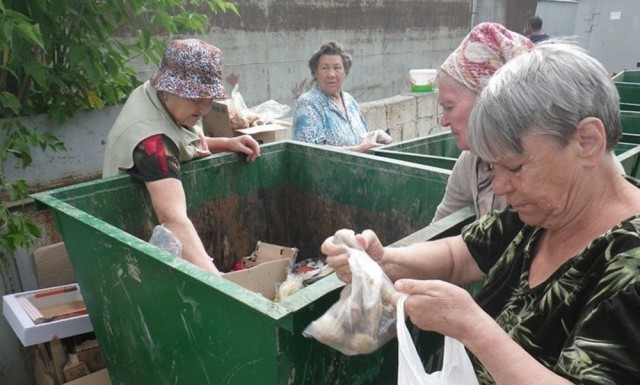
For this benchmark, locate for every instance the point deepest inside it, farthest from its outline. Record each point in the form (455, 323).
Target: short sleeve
(308, 122)
(605, 346)
(488, 237)
(155, 158)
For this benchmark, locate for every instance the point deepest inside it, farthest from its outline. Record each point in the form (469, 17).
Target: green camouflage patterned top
(583, 323)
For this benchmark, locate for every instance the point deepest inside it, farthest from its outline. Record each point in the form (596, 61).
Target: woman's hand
(338, 258)
(246, 145)
(441, 307)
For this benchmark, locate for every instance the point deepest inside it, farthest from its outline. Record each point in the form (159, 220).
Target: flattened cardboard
(53, 267)
(267, 266)
(217, 122)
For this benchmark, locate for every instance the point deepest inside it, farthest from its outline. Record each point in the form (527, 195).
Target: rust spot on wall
(388, 15)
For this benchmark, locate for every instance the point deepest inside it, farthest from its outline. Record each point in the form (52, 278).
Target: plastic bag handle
(457, 368)
(410, 368)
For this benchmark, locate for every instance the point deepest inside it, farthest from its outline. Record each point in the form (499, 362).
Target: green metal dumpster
(441, 151)
(630, 121)
(438, 150)
(628, 153)
(161, 320)
(628, 84)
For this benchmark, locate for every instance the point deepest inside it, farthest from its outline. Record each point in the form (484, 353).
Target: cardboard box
(58, 305)
(88, 352)
(266, 133)
(74, 369)
(53, 267)
(100, 377)
(218, 123)
(53, 366)
(266, 267)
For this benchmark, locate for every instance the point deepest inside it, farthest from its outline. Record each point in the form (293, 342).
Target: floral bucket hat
(191, 69)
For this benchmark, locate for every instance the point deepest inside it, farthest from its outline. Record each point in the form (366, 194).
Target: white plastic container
(423, 80)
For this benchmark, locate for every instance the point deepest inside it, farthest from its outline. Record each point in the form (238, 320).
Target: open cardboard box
(265, 268)
(38, 316)
(218, 123)
(53, 366)
(265, 133)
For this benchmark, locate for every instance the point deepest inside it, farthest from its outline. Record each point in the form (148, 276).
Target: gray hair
(330, 48)
(547, 91)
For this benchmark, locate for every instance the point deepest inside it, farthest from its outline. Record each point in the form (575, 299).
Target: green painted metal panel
(630, 121)
(162, 320)
(629, 107)
(628, 85)
(438, 150)
(428, 150)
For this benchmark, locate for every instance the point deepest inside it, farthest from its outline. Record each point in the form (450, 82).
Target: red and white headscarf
(485, 49)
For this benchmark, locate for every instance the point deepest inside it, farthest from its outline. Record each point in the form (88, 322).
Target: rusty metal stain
(388, 15)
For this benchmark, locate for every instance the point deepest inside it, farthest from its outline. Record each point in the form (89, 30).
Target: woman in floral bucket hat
(160, 127)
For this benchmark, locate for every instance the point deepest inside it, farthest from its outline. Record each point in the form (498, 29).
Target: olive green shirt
(142, 116)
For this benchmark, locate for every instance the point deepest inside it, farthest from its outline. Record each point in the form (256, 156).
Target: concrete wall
(267, 48)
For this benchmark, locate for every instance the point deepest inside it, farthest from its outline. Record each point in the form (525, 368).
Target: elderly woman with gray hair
(326, 114)
(560, 299)
(160, 127)
(462, 77)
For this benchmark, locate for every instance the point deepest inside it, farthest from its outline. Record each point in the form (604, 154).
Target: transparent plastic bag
(163, 238)
(243, 117)
(270, 110)
(456, 365)
(363, 319)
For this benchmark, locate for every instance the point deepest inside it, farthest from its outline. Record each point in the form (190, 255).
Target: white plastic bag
(456, 366)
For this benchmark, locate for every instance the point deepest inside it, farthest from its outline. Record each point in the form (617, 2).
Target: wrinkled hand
(245, 144)
(439, 306)
(338, 258)
(369, 142)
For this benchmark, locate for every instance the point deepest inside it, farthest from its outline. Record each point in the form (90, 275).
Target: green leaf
(20, 190)
(31, 34)
(76, 55)
(10, 101)
(37, 72)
